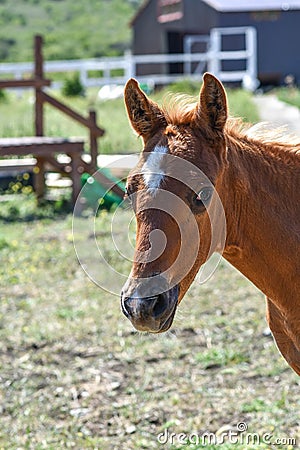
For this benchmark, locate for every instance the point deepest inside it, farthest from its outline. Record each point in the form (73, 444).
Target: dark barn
(160, 26)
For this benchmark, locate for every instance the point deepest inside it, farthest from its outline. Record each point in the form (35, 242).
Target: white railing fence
(117, 70)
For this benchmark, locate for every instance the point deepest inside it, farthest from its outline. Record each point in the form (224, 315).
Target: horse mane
(271, 140)
(270, 134)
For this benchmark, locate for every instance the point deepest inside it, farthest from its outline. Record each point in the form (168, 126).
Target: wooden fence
(45, 149)
(118, 70)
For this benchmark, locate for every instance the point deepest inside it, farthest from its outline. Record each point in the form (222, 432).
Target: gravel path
(278, 113)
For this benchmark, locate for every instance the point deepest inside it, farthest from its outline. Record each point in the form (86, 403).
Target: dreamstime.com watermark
(238, 436)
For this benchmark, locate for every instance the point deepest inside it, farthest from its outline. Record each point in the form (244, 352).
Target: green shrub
(3, 96)
(186, 86)
(72, 86)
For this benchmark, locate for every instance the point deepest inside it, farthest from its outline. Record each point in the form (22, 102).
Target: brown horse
(254, 175)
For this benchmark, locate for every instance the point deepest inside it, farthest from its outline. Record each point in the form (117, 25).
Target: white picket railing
(127, 66)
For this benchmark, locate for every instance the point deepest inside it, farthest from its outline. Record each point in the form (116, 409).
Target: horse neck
(260, 193)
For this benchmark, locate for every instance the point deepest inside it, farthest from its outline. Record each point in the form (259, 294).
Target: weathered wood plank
(24, 83)
(39, 146)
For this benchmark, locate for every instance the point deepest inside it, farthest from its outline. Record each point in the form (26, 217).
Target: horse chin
(155, 327)
(166, 323)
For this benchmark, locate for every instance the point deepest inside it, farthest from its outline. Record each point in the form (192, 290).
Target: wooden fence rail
(45, 149)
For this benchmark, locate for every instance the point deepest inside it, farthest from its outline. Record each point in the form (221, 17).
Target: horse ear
(144, 114)
(213, 103)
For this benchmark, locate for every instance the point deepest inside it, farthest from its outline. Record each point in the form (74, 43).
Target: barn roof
(238, 6)
(253, 5)
(139, 11)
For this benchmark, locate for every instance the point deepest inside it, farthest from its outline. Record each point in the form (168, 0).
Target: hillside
(72, 29)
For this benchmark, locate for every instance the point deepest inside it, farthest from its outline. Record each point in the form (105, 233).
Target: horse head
(174, 194)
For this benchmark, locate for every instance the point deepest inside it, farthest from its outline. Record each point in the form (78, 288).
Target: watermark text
(240, 436)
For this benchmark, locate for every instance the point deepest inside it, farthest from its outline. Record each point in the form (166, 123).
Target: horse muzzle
(152, 313)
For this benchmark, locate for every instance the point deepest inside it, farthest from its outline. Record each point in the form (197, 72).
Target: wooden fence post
(93, 140)
(38, 75)
(39, 115)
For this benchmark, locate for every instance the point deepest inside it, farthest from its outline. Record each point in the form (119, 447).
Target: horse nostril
(160, 306)
(144, 307)
(127, 306)
(153, 313)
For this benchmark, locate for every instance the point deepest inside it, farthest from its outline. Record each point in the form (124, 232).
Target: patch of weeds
(22, 183)
(3, 96)
(257, 404)
(215, 357)
(24, 208)
(4, 244)
(69, 313)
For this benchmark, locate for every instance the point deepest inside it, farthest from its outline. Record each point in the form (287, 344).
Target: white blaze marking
(152, 170)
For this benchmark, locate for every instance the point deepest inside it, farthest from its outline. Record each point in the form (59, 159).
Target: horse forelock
(179, 109)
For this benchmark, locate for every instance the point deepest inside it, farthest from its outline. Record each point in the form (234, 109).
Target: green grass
(241, 105)
(289, 95)
(71, 29)
(17, 117)
(220, 357)
(74, 374)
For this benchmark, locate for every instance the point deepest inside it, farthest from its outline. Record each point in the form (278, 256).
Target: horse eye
(204, 196)
(126, 193)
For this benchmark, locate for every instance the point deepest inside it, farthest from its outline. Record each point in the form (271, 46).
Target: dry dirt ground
(74, 374)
